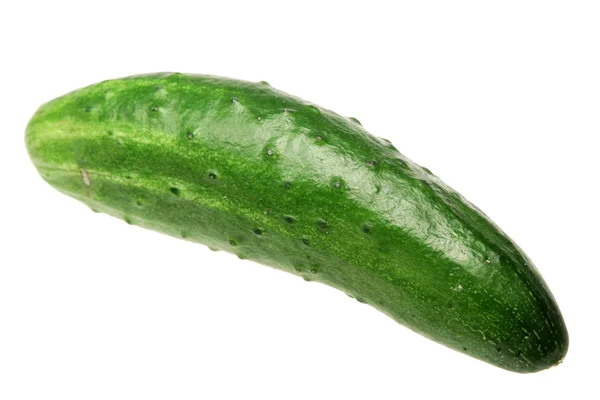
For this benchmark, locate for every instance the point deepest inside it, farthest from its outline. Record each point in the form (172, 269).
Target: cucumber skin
(244, 168)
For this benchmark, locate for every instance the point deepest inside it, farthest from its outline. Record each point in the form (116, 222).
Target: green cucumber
(248, 169)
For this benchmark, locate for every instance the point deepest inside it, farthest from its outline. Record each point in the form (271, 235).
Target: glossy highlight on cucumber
(248, 169)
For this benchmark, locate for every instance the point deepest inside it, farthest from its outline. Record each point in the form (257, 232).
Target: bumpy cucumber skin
(245, 168)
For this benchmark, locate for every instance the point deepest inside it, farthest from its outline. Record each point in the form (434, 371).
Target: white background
(499, 99)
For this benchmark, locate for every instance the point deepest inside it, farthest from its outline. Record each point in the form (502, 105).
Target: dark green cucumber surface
(248, 169)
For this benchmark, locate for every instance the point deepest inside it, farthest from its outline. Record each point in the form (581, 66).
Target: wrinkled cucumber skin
(248, 169)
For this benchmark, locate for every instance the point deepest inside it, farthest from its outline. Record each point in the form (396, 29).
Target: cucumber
(248, 169)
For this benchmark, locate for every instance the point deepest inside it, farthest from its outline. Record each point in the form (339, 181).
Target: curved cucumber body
(248, 169)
